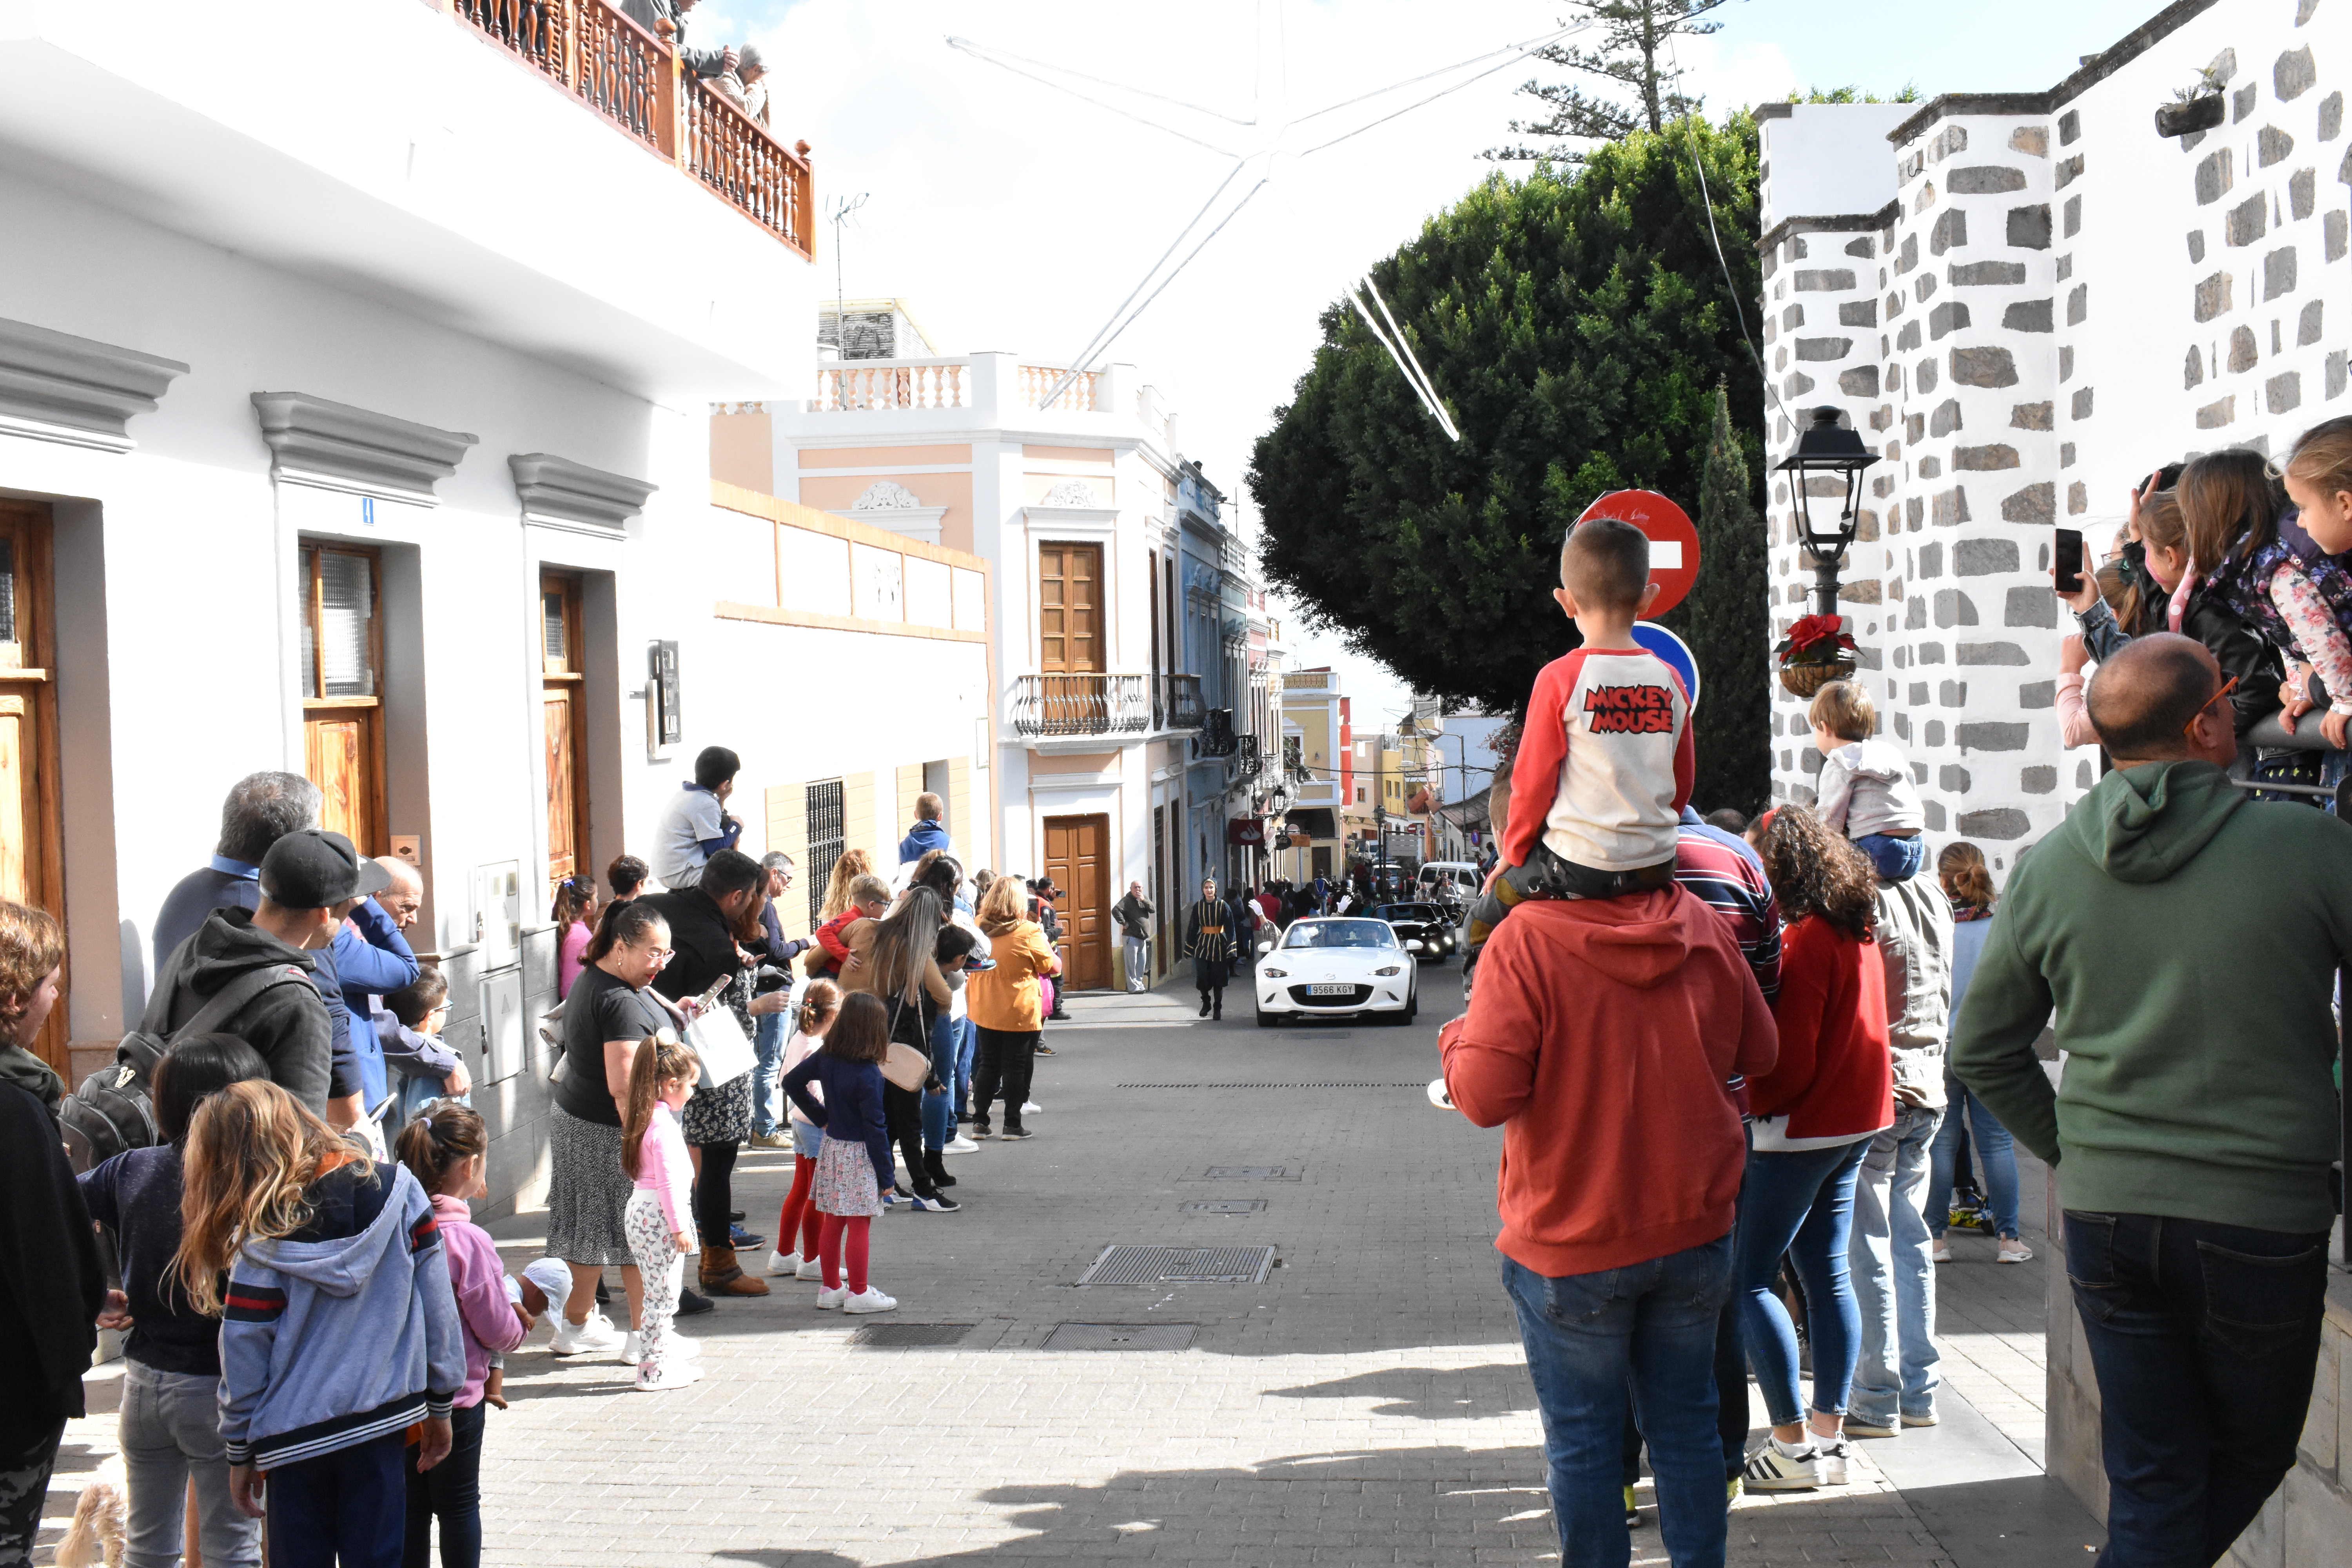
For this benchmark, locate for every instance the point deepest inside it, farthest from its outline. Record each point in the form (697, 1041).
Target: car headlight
(1275, 973)
(1391, 969)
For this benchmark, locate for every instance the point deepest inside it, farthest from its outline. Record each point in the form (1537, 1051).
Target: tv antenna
(838, 213)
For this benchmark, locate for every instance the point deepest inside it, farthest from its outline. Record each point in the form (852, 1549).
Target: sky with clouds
(1016, 216)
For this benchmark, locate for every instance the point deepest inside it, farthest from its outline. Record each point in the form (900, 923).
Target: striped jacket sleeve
(251, 1309)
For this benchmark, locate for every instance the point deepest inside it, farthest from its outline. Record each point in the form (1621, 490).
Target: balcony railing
(893, 384)
(1176, 702)
(1045, 706)
(635, 80)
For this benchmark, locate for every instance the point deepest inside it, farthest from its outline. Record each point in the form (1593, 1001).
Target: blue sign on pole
(1674, 650)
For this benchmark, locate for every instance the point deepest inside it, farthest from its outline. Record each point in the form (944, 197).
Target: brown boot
(723, 1276)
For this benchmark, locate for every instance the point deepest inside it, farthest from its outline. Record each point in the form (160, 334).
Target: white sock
(1802, 1449)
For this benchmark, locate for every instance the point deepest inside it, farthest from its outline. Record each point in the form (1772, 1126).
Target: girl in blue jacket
(853, 1164)
(339, 1328)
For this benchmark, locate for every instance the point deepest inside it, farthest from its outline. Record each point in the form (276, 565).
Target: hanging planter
(1816, 651)
(2190, 116)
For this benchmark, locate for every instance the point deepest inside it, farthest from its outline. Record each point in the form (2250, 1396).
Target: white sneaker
(1031, 1108)
(1835, 1452)
(868, 1301)
(828, 1299)
(1770, 1470)
(634, 1352)
(676, 1374)
(962, 1145)
(1942, 1252)
(784, 1262)
(592, 1335)
(2014, 1251)
(810, 1268)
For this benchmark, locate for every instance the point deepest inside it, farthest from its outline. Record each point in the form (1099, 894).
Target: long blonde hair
(660, 1058)
(253, 1151)
(903, 945)
(1004, 906)
(852, 864)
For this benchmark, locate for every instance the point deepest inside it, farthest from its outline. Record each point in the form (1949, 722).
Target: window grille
(823, 802)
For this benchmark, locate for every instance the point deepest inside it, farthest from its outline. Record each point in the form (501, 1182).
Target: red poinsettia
(1814, 639)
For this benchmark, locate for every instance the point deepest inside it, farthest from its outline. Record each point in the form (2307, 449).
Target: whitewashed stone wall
(2063, 300)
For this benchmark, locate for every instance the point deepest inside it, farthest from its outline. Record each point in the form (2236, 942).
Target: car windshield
(1338, 934)
(1411, 913)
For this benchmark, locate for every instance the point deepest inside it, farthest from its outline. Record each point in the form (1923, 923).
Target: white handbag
(717, 1040)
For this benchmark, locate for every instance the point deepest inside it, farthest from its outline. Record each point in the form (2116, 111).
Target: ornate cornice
(338, 447)
(58, 388)
(560, 493)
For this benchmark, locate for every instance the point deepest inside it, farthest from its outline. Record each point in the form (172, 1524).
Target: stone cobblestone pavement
(1368, 1403)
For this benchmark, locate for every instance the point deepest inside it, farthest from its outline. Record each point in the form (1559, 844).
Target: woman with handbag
(892, 960)
(1209, 944)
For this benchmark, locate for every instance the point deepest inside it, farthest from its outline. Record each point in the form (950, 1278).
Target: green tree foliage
(1633, 36)
(1576, 325)
(1727, 623)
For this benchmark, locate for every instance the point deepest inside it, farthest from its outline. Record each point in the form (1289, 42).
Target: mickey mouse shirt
(1608, 744)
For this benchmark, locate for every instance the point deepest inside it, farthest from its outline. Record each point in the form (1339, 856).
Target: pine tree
(1727, 623)
(1634, 33)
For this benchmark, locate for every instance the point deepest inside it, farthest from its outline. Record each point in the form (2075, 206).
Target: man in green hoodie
(2188, 938)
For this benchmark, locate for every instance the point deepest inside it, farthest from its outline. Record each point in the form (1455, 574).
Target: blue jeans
(1588, 1337)
(767, 1055)
(939, 1110)
(1800, 1204)
(2204, 1338)
(348, 1509)
(1898, 859)
(1994, 1147)
(966, 1045)
(1894, 1275)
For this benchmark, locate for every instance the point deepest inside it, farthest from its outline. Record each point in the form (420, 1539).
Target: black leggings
(714, 1194)
(450, 1491)
(902, 1116)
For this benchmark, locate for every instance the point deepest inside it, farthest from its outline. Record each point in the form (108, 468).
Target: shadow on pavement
(2017, 1521)
(1432, 1394)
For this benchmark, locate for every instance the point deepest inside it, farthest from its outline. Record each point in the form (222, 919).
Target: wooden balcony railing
(635, 80)
(1050, 705)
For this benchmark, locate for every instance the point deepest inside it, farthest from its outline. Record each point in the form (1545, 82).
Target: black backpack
(114, 1109)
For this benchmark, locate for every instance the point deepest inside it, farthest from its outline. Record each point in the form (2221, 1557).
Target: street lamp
(1826, 448)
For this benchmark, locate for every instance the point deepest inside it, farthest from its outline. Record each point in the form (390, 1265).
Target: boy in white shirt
(695, 824)
(1865, 788)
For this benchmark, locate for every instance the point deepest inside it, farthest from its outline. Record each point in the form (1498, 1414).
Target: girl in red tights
(819, 1003)
(853, 1165)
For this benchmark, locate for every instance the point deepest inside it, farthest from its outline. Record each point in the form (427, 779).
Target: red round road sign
(1674, 543)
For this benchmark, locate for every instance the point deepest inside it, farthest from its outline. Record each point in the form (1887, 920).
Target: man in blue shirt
(372, 961)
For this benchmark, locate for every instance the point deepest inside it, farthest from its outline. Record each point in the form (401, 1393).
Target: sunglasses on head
(2227, 687)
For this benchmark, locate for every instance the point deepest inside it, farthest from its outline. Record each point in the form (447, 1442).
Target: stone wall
(2056, 301)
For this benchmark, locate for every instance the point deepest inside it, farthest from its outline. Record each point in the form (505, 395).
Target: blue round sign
(1674, 650)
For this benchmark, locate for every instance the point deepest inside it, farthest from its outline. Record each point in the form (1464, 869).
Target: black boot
(936, 1164)
(1220, 1009)
(1204, 1004)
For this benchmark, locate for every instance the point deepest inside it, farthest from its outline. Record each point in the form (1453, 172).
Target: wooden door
(563, 678)
(1077, 857)
(32, 841)
(342, 690)
(1069, 636)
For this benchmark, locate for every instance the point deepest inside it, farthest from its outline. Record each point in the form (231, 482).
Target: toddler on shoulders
(1865, 788)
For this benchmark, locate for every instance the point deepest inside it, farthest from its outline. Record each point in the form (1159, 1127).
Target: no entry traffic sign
(1674, 543)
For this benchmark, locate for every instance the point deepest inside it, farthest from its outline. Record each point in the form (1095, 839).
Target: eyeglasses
(2227, 687)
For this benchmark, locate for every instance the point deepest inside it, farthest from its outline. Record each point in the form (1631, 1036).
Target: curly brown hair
(1816, 872)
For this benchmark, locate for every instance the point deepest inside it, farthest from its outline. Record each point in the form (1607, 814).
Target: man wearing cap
(309, 880)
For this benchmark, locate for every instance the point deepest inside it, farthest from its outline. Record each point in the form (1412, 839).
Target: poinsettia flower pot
(2185, 118)
(1804, 679)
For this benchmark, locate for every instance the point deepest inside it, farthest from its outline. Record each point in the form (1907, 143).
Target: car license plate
(1328, 990)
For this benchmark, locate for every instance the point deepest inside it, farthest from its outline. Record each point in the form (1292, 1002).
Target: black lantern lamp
(1826, 448)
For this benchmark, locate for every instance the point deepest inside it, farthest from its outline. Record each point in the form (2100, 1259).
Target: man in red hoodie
(1600, 1039)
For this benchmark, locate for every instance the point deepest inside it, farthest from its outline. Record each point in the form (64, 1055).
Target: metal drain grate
(1367, 1084)
(1121, 1337)
(1249, 1173)
(909, 1336)
(1179, 1266)
(1223, 1205)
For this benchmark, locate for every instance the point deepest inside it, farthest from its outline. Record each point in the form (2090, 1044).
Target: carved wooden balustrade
(590, 49)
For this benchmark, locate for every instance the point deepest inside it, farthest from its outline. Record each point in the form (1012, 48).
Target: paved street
(1365, 1405)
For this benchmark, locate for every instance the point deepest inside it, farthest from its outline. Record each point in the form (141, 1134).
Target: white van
(1439, 876)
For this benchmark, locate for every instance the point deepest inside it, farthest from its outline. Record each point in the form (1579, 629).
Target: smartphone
(2069, 561)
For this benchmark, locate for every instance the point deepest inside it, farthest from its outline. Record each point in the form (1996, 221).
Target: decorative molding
(338, 447)
(560, 493)
(1073, 522)
(923, 524)
(883, 495)
(1071, 493)
(58, 388)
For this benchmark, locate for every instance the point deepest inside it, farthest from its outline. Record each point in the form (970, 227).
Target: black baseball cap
(313, 868)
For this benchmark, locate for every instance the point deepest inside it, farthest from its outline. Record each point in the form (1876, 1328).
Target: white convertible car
(1339, 966)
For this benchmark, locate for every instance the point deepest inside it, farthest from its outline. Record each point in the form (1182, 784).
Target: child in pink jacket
(443, 1149)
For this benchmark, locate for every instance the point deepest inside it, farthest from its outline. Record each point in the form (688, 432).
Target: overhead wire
(977, 52)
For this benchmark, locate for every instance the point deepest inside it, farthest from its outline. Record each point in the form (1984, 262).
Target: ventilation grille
(1225, 1206)
(1248, 1174)
(909, 1336)
(1179, 1266)
(1121, 1337)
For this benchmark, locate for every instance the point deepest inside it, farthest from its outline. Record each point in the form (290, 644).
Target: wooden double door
(1078, 857)
(32, 836)
(564, 717)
